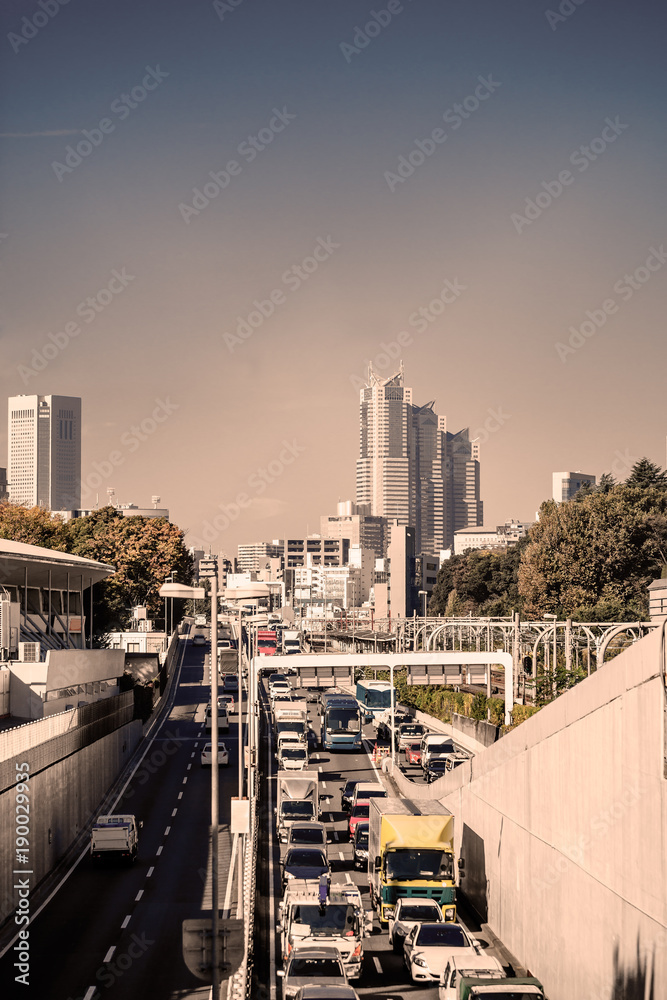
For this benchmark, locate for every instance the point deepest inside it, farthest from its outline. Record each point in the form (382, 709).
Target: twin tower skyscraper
(411, 468)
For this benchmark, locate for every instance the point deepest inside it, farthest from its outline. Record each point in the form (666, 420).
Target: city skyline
(212, 224)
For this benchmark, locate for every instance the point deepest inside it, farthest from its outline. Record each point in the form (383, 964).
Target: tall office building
(45, 451)
(464, 506)
(410, 469)
(383, 467)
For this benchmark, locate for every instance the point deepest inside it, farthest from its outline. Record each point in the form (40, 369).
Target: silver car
(312, 967)
(409, 912)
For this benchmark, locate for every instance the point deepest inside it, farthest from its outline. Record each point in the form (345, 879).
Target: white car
(207, 755)
(409, 912)
(309, 966)
(292, 757)
(428, 948)
(470, 967)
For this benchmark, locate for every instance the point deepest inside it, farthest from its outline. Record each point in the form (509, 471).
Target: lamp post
(424, 594)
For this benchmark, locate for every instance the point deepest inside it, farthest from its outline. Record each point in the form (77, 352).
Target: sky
(214, 215)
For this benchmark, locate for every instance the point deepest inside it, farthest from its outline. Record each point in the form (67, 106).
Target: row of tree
(590, 558)
(143, 550)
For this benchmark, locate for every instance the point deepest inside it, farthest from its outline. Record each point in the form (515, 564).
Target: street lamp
(424, 593)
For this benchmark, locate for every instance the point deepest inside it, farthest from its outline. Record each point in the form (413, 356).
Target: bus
(341, 722)
(374, 697)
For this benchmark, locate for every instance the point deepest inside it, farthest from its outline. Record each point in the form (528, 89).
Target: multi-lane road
(115, 932)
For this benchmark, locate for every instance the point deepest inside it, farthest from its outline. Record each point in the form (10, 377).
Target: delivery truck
(297, 800)
(115, 837)
(411, 853)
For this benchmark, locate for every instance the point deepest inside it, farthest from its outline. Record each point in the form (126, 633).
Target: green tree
(647, 475)
(483, 582)
(33, 525)
(606, 483)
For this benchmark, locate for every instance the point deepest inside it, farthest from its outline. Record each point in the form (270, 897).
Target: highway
(115, 932)
(383, 976)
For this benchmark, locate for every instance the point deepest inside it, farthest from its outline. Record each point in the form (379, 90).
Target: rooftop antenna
(155, 501)
(111, 494)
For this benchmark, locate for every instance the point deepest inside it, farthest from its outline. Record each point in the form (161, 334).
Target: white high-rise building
(44, 468)
(383, 467)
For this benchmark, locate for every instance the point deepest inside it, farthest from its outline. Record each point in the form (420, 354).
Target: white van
(223, 719)
(435, 744)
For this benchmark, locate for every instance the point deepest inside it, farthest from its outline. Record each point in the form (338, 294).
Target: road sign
(198, 946)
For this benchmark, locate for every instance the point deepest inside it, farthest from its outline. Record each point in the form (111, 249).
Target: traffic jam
(368, 877)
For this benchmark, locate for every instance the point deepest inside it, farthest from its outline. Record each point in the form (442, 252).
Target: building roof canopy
(16, 557)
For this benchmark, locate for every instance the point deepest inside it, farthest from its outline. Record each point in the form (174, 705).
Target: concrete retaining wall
(64, 798)
(481, 732)
(563, 827)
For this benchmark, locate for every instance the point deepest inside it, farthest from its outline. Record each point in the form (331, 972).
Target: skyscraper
(44, 467)
(410, 469)
(464, 507)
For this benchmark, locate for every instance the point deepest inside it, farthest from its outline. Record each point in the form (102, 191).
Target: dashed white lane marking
(324, 784)
(109, 954)
(341, 856)
(190, 765)
(150, 872)
(138, 895)
(166, 832)
(331, 819)
(185, 781)
(173, 812)
(348, 878)
(192, 754)
(125, 922)
(90, 993)
(159, 851)
(336, 837)
(180, 795)
(319, 768)
(376, 961)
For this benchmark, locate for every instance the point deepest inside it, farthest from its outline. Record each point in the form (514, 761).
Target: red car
(413, 753)
(358, 814)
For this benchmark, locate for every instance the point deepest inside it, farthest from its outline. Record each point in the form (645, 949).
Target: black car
(436, 768)
(360, 846)
(305, 863)
(346, 794)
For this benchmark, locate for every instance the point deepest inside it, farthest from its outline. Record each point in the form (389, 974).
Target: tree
(647, 475)
(607, 483)
(481, 581)
(32, 525)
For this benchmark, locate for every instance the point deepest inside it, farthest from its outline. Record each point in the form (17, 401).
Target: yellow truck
(411, 854)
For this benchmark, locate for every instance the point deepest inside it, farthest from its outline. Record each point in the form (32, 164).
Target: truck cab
(115, 836)
(471, 968)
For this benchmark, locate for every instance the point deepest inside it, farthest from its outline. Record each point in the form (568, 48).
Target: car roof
(328, 992)
(324, 951)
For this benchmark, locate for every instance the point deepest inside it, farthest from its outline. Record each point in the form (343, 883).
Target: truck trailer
(297, 800)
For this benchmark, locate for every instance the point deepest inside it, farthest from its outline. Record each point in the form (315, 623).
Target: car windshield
(298, 810)
(320, 967)
(412, 730)
(346, 719)
(303, 835)
(374, 793)
(442, 934)
(441, 748)
(293, 753)
(362, 836)
(303, 856)
(349, 788)
(415, 864)
(414, 747)
(438, 765)
(361, 811)
(420, 912)
(337, 919)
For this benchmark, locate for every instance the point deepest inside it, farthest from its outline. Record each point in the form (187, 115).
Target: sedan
(230, 682)
(207, 755)
(409, 912)
(346, 794)
(199, 639)
(312, 966)
(307, 835)
(428, 948)
(358, 814)
(226, 701)
(305, 863)
(413, 753)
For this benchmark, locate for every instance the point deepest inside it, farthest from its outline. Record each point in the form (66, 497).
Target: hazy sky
(503, 161)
